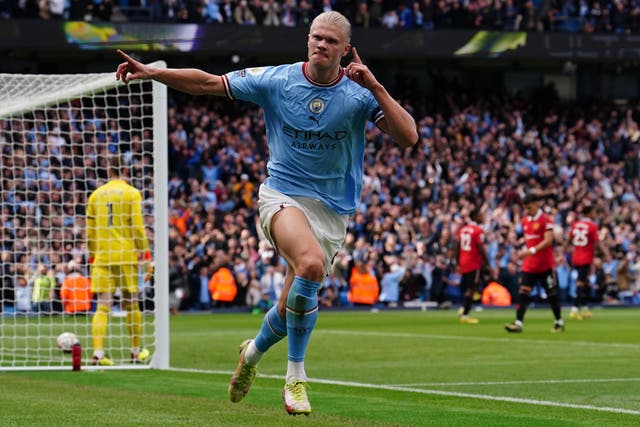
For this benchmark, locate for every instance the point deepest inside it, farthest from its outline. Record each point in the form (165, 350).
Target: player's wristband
(91, 261)
(533, 250)
(146, 256)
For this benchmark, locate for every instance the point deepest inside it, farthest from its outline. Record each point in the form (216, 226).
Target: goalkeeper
(116, 239)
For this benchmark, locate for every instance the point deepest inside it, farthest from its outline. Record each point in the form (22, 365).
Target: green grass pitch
(391, 368)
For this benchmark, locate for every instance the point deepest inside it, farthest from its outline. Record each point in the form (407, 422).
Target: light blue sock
(273, 329)
(302, 314)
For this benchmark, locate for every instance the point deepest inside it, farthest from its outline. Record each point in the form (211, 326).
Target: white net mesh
(56, 132)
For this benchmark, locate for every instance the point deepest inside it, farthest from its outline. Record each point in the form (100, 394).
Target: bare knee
(310, 267)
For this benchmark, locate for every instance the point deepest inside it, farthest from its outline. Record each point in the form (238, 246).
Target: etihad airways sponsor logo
(307, 135)
(313, 146)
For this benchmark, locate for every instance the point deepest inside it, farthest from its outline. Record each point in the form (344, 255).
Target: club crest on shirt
(316, 105)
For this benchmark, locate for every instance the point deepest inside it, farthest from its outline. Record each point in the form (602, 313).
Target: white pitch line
(474, 338)
(438, 393)
(475, 383)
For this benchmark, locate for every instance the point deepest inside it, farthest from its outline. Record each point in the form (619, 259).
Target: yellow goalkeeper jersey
(115, 228)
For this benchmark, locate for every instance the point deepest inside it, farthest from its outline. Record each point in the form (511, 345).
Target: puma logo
(315, 120)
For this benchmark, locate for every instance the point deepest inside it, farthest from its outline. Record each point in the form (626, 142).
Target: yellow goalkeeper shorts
(106, 278)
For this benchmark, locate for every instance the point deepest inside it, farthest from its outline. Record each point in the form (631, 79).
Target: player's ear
(347, 50)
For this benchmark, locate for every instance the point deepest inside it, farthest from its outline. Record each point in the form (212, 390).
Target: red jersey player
(583, 237)
(470, 255)
(537, 264)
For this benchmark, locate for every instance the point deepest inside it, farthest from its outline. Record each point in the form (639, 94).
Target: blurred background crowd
(482, 150)
(605, 16)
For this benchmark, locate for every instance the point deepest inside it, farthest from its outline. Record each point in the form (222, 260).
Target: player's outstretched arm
(189, 80)
(397, 122)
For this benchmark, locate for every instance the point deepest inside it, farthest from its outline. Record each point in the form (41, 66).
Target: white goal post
(55, 133)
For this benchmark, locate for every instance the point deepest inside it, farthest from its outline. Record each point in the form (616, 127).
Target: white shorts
(329, 227)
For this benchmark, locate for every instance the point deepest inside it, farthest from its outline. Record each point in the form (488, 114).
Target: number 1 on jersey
(110, 209)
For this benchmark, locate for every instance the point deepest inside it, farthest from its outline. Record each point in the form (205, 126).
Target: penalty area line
(488, 397)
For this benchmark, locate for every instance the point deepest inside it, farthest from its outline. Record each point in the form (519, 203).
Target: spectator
(390, 19)
(7, 268)
(624, 278)
(243, 191)
(608, 16)
(376, 13)
(75, 291)
(563, 274)
(362, 17)
(406, 18)
(390, 283)
(243, 15)
(440, 282)
(255, 298)
(257, 8)
(5, 9)
(56, 9)
(202, 287)
(271, 10)
(23, 292)
(212, 15)
(363, 283)
(272, 283)
(494, 294)
(289, 14)
(428, 14)
(103, 10)
(417, 15)
(43, 283)
(305, 13)
(226, 11)
(330, 293)
(222, 285)
(178, 284)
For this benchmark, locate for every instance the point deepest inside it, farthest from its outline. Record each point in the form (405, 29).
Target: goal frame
(160, 357)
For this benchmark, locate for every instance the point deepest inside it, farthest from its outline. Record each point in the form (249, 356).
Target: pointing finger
(356, 57)
(124, 55)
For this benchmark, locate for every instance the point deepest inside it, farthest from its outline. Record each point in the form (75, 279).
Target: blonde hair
(335, 18)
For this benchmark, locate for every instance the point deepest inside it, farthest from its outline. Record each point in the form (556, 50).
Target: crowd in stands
(484, 150)
(601, 16)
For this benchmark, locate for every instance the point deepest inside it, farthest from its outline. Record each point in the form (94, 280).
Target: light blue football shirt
(315, 133)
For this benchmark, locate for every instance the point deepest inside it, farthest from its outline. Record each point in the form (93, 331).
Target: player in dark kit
(537, 264)
(471, 255)
(583, 237)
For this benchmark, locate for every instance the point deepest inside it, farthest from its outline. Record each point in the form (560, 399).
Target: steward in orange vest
(363, 286)
(496, 294)
(75, 291)
(222, 285)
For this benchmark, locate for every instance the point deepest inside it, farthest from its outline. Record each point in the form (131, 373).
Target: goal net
(56, 132)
